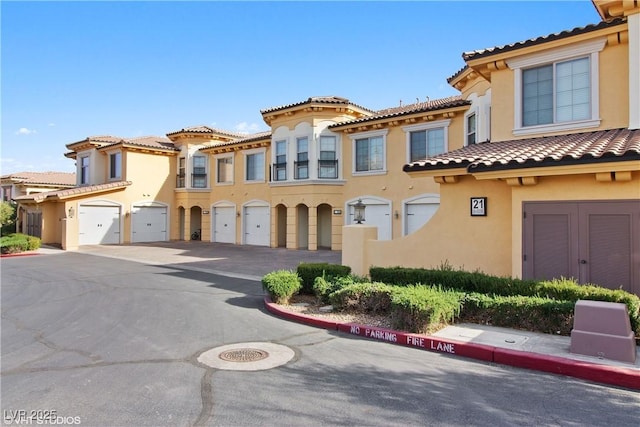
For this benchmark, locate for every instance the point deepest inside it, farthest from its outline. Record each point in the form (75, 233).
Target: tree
(7, 217)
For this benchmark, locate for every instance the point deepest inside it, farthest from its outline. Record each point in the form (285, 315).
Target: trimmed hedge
(424, 309)
(366, 297)
(476, 282)
(18, 242)
(309, 271)
(281, 285)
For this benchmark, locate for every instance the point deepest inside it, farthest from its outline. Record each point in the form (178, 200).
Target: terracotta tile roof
(206, 129)
(247, 138)
(42, 178)
(336, 100)
(157, 142)
(419, 107)
(542, 39)
(76, 191)
(582, 148)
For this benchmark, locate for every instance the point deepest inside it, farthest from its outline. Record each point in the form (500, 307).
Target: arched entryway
(302, 213)
(181, 220)
(195, 223)
(281, 226)
(324, 226)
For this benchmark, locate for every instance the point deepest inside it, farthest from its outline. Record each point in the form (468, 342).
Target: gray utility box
(602, 329)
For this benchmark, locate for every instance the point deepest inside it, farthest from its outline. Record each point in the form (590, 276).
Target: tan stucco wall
(613, 95)
(565, 188)
(452, 236)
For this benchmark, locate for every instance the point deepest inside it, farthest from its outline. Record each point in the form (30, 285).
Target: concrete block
(602, 329)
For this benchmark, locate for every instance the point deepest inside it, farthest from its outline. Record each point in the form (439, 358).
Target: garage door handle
(583, 261)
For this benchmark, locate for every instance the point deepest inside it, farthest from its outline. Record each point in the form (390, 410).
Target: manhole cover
(243, 355)
(247, 356)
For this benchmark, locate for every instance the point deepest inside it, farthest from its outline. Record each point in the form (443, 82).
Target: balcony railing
(279, 172)
(180, 181)
(328, 169)
(301, 169)
(198, 180)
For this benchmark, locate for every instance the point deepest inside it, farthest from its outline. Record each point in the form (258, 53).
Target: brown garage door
(594, 242)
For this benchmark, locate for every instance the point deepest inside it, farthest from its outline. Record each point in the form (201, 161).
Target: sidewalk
(543, 352)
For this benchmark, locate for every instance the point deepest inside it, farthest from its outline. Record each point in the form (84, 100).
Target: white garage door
(418, 214)
(149, 224)
(224, 224)
(99, 225)
(256, 225)
(378, 215)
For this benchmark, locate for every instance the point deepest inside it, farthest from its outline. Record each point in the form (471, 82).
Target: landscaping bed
(449, 297)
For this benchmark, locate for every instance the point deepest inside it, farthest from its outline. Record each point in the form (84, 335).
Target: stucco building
(533, 170)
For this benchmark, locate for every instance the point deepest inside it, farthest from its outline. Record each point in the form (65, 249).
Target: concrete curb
(604, 374)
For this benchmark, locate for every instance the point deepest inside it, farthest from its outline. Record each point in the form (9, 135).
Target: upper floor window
(225, 170)
(302, 158)
(115, 165)
(556, 93)
(558, 89)
(84, 170)
(369, 152)
(426, 140)
(280, 166)
(471, 129)
(199, 173)
(181, 172)
(328, 161)
(255, 166)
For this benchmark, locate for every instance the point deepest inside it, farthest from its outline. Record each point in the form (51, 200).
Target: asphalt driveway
(104, 341)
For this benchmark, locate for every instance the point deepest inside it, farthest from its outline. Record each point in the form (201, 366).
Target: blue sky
(75, 69)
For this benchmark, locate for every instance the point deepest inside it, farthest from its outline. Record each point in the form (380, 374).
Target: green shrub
(422, 309)
(535, 314)
(476, 282)
(323, 288)
(366, 297)
(309, 271)
(18, 242)
(281, 285)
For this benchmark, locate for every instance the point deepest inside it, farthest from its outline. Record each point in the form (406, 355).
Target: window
(199, 173)
(426, 143)
(558, 89)
(280, 166)
(370, 154)
(84, 170)
(302, 158)
(181, 173)
(115, 165)
(328, 162)
(255, 167)
(471, 129)
(225, 170)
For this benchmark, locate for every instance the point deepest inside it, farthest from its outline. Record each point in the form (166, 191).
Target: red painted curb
(612, 375)
(18, 254)
(302, 318)
(423, 342)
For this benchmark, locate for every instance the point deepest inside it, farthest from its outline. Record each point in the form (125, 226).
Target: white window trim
(264, 168)
(470, 113)
(338, 148)
(383, 133)
(426, 126)
(118, 177)
(224, 156)
(88, 177)
(590, 49)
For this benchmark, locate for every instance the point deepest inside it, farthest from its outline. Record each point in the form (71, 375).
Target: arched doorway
(302, 213)
(195, 229)
(181, 219)
(281, 225)
(324, 226)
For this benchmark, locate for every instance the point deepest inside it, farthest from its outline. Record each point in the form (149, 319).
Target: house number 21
(478, 206)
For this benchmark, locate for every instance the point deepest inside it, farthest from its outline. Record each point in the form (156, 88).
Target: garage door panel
(256, 225)
(99, 225)
(149, 224)
(224, 224)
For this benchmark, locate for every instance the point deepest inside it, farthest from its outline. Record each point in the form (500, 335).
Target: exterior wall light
(358, 211)
(71, 212)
